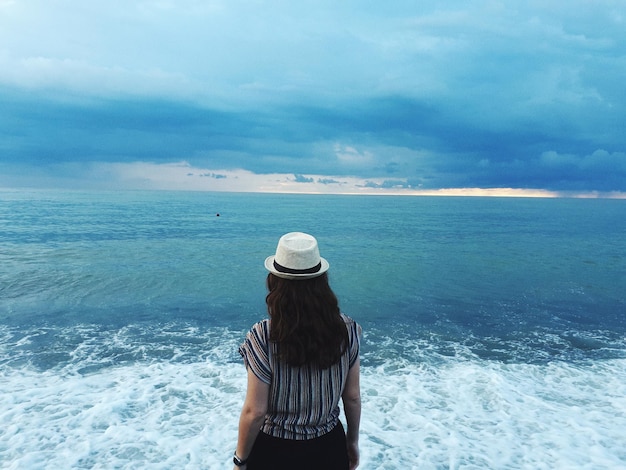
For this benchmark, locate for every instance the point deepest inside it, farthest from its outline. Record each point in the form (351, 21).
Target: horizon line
(502, 192)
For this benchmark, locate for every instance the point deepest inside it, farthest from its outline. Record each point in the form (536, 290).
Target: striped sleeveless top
(303, 401)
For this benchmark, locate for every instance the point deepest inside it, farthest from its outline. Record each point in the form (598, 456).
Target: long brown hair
(306, 323)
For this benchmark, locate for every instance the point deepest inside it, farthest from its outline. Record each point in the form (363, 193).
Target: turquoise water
(495, 328)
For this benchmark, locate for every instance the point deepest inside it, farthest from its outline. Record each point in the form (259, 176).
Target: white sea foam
(161, 415)
(456, 414)
(493, 415)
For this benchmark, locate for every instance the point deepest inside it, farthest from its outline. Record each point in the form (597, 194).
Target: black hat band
(283, 269)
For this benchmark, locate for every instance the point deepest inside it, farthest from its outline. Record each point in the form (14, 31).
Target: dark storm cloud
(461, 94)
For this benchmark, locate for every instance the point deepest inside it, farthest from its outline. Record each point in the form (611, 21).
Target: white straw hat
(297, 257)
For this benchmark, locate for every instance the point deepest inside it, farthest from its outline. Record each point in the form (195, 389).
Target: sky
(321, 96)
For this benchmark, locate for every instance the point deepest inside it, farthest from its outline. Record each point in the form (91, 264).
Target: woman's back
(303, 400)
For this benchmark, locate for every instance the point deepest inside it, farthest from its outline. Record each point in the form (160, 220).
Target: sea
(494, 329)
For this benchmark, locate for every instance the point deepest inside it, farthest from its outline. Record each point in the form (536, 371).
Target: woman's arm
(352, 407)
(252, 415)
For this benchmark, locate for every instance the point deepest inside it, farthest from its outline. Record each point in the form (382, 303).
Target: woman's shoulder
(260, 326)
(351, 324)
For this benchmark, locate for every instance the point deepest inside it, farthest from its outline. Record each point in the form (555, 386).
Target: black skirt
(327, 452)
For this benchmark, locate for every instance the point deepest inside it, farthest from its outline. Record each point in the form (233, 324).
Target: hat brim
(269, 265)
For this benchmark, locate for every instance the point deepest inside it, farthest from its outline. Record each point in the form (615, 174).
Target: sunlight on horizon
(181, 176)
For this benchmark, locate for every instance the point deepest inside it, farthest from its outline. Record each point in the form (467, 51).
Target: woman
(300, 362)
